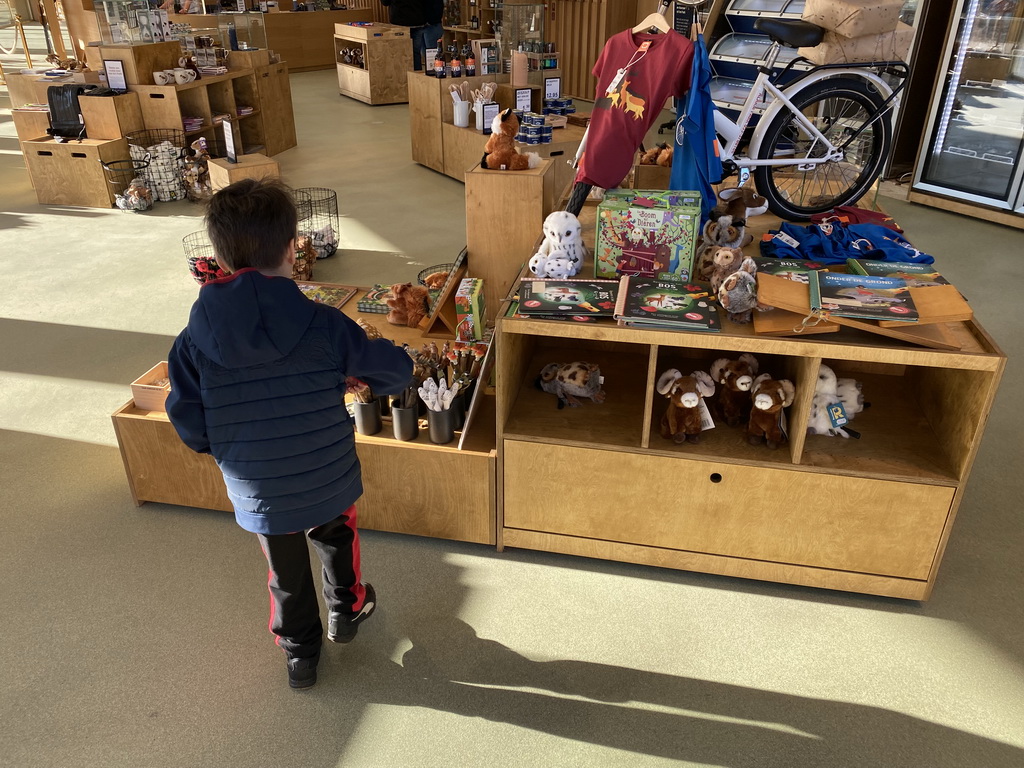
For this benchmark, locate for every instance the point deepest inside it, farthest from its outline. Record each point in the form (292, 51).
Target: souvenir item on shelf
(371, 331)
(682, 422)
(643, 232)
(665, 303)
(469, 310)
(500, 152)
(862, 296)
(376, 300)
(561, 298)
(562, 251)
(305, 258)
(408, 304)
(735, 378)
(569, 381)
(726, 261)
(769, 397)
(738, 293)
(836, 401)
(740, 203)
(136, 197)
(723, 232)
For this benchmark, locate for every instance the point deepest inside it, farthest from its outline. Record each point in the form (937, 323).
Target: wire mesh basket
(318, 218)
(202, 262)
(127, 178)
(437, 268)
(164, 150)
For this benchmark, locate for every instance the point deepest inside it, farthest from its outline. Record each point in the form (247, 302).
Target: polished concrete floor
(136, 637)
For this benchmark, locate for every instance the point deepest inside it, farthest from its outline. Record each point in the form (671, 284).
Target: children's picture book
(791, 269)
(328, 293)
(862, 296)
(916, 275)
(594, 298)
(666, 303)
(375, 300)
(513, 311)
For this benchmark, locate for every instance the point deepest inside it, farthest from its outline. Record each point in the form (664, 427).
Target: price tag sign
(524, 99)
(552, 87)
(490, 112)
(229, 141)
(116, 79)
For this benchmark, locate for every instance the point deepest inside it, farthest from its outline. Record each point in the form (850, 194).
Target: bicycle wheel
(842, 109)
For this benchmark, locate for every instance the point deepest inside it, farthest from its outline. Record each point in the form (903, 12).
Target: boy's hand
(354, 385)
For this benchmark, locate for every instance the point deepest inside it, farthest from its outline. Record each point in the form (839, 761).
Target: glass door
(976, 129)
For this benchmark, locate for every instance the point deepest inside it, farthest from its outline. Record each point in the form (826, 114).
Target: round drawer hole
(715, 477)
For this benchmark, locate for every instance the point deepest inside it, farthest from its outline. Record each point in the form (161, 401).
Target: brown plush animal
(726, 261)
(740, 203)
(408, 304)
(769, 397)
(724, 232)
(567, 381)
(650, 157)
(435, 280)
(665, 157)
(681, 422)
(500, 152)
(735, 378)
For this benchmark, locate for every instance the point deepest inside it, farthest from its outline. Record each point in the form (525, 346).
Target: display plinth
(71, 173)
(254, 166)
(386, 55)
(505, 213)
(111, 117)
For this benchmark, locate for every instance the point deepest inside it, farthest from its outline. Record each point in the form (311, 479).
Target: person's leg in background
(349, 600)
(419, 50)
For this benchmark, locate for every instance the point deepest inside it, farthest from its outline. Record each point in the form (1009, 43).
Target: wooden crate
(71, 173)
(387, 57)
(30, 124)
(111, 117)
(26, 89)
(141, 61)
(147, 393)
(254, 166)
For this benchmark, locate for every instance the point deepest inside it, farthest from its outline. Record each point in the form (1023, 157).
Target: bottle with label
(470, 61)
(474, 22)
(456, 65)
(439, 63)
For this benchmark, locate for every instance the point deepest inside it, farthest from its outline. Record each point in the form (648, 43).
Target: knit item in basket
(163, 175)
(324, 240)
(375, 300)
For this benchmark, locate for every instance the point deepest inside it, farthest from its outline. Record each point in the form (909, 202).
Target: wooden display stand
(141, 61)
(868, 515)
(387, 56)
(71, 173)
(111, 117)
(505, 213)
(411, 487)
(253, 166)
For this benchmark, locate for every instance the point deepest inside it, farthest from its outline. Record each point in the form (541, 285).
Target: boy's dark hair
(251, 222)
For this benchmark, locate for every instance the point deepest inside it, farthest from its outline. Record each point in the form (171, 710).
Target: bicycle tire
(840, 104)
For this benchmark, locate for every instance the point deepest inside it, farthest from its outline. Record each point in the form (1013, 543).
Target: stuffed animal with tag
(568, 381)
(682, 421)
(734, 379)
(740, 203)
(830, 390)
(500, 152)
(723, 232)
(769, 397)
(408, 304)
(561, 254)
(738, 293)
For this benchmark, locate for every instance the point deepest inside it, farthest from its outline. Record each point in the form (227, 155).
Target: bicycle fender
(754, 148)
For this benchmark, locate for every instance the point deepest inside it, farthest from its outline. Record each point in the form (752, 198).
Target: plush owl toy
(561, 254)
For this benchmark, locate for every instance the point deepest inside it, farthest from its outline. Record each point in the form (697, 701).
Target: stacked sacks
(858, 30)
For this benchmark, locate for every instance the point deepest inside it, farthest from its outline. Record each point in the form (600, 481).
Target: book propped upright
(862, 297)
(655, 302)
(915, 275)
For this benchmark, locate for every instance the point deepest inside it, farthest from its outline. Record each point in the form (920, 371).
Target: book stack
(666, 304)
(573, 299)
(375, 300)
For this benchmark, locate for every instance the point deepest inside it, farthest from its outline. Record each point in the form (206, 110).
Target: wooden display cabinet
(386, 53)
(72, 173)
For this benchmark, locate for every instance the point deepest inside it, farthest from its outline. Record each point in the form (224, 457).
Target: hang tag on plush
(837, 414)
(706, 422)
(613, 86)
(783, 425)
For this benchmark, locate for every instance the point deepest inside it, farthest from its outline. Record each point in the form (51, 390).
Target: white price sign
(552, 87)
(524, 99)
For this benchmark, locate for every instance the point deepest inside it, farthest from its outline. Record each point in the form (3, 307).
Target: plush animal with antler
(738, 293)
(740, 203)
(500, 152)
(769, 397)
(682, 421)
(734, 379)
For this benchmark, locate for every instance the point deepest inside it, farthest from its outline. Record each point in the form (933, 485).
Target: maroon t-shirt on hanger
(620, 120)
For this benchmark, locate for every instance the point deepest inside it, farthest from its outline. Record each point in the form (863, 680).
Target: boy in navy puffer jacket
(258, 380)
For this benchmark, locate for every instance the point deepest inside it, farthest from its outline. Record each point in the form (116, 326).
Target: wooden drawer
(757, 513)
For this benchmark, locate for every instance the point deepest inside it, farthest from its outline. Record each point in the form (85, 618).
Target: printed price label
(524, 99)
(782, 237)
(552, 87)
(837, 414)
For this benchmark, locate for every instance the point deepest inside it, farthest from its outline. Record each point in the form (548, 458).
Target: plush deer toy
(735, 378)
(681, 421)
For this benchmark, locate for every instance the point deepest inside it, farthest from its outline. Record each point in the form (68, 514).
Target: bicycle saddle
(795, 34)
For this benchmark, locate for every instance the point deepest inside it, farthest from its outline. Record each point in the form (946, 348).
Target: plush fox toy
(501, 153)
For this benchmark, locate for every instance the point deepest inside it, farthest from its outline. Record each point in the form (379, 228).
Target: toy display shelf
(869, 515)
(386, 55)
(411, 487)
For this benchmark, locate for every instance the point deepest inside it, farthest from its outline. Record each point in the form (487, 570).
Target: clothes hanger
(655, 22)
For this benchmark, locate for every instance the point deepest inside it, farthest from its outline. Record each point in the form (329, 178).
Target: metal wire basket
(421, 278)
(202, 262)
(318, 218)
(120, 175)
(164, 150)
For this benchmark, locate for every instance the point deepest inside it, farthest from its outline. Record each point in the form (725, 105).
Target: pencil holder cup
(458, 409)
(442, 426)
(462, 114)
(404, 423)
(367, 416)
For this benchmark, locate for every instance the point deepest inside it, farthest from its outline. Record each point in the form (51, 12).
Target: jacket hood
(248, 318)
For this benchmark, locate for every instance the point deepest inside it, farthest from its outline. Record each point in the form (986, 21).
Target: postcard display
(869, 514)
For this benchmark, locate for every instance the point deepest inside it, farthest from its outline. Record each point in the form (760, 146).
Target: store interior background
(137, 636)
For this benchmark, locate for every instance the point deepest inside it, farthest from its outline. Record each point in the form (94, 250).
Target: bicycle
(822, 138)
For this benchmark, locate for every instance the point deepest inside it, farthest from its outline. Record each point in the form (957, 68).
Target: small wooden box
(141, 61)
(371, 32)
(111, 117)
(254, 166)
(71, 173)
(147, 393)
(505, 95)
(651, 176)
(30, 123)
(249, 59)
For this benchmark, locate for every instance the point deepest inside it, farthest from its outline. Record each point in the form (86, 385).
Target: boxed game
(469, 309)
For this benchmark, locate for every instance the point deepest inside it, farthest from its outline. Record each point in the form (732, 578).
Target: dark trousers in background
(423, 38)
(294, 610)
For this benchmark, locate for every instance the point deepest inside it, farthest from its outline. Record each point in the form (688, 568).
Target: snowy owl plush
(831, 389)
(561, 254)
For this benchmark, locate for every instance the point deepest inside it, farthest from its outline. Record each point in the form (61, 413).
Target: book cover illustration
(593, 298)
(915, 275)
(790, 269)
(644, 237)
(375, 300)
(327, 293)
(862, 296)
(666, 303)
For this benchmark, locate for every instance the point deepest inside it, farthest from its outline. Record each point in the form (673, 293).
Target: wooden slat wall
(579, 29)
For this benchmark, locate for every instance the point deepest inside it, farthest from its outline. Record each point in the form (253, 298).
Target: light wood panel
(71, 174)
(111, 117)
(579, 29)
(387, 55)
(1008, 218)
(305, 39)
(425, 114)
(141, 61)
(866, 526)
(276, 117)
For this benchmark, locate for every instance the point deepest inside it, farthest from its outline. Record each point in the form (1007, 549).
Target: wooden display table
(386, 53)
(410, 487)
(254, 166)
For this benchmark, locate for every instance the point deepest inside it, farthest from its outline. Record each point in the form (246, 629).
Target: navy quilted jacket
(258, 380)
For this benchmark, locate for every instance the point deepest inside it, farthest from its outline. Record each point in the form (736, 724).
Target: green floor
(136, 637)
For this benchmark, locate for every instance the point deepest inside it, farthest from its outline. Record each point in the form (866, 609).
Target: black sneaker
(302, 672)
(342, 627)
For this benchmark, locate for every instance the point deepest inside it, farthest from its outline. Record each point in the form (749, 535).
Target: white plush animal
(828, 390)
(561, 254)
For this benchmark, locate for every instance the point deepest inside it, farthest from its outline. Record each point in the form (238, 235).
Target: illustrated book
(862, 296)
(670, 304)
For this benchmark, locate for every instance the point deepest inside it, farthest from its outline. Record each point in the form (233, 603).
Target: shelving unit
(871, 515)
(386, 55)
